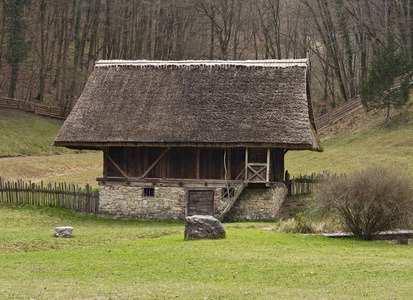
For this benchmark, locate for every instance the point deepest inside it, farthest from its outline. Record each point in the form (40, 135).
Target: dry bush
(299, 224)
(369, 201)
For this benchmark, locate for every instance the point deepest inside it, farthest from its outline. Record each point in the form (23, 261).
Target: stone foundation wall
(258, 204)
(169, 203)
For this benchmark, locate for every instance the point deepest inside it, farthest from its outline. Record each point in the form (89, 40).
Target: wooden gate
(200, 202)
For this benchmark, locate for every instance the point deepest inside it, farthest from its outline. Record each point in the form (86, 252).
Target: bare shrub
(369, 201)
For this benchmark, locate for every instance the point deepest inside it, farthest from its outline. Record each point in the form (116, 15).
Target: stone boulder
(64, 232)
(203, 227)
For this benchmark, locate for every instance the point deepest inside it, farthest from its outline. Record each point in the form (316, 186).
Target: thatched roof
(194, 103)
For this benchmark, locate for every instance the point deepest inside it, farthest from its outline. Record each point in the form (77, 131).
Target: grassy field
(24, 133)
(26, 152)
(131, 259)
(73, 168)
(375, 145)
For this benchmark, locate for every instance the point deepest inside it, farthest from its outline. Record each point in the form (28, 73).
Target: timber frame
(250, 165)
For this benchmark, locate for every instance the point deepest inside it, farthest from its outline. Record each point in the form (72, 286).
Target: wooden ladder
(232, 200)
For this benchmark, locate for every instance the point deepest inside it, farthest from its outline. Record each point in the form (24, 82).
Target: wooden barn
(193, 137)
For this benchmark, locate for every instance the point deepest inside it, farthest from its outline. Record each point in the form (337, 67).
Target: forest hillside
(48, 48)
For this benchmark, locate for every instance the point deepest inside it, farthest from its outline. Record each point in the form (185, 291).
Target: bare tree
(223, 17)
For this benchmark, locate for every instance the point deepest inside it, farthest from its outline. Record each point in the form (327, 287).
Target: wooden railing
(58, 195)
(232, 200)
(37, 108)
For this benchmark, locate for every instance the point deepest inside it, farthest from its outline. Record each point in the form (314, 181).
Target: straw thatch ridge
(194, 103)
(270, 63)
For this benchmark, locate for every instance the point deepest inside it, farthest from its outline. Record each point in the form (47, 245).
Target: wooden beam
(154, 163)
(105, 163)
(257, 172)
(268, 164)
(116, 165)
(172, 182)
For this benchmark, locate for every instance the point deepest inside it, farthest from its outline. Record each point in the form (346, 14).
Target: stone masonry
(169, 203)
(258, 204)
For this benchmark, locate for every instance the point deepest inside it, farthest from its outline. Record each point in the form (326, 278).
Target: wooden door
(200, 202)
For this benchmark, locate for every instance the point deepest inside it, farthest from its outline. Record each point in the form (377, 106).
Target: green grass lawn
(24, 133)
(131, 259)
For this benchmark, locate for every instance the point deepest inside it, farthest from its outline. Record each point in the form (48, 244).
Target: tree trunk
(3, 26)
(17, 45)
(13, 79)
(388, 109)
(410, 27)
(212, 36)
(106, 34)
(77, 39)
(43, 51)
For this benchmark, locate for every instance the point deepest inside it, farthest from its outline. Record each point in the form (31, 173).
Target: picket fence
(305, 184)
(63, 195)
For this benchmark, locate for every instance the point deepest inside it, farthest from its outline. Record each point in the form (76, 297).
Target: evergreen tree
(17, 46)
(387, 82)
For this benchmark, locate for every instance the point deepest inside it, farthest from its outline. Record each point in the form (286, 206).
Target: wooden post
(268, 165)
(198, 156)
(292, 186)
(246, 164)
(105, 162)
(228, 162)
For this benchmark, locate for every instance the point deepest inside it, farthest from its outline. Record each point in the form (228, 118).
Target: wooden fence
(305, 184)
(59, 195)
(37, 108)
(329, 118)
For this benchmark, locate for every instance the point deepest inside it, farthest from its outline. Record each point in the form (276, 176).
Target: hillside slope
(26, 152)
(358, 141)
(24, 134)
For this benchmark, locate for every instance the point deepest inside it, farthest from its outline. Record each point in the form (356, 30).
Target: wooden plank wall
(277, 162)
(183, 162)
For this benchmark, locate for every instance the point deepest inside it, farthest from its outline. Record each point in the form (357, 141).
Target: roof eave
(100, 145)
